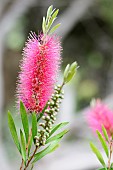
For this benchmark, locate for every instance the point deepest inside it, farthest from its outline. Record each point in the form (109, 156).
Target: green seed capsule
(47, 135)
(43, 117)
(39, 130)
(36, 137)
(37, 144)
(47, 111)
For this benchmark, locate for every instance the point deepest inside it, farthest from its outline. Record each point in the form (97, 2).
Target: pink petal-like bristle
(99, 115)
(39, 69)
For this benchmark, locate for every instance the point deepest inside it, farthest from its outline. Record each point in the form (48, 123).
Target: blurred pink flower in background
(99, 114)
(39, 69)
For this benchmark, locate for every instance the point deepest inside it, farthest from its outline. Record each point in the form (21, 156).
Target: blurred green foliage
(16, 37)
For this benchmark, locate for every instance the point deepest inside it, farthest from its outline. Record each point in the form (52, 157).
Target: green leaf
(42, 113)
(54, 28)
(73, 66)
(59, 135)
(70, 76)
(105, 133)
(103, 142)
(66, 71)
(49, 11)
(112, 165)
(52, 19)
(70, 71)
(59, 126)
(23, 146)
(97, 153)
(44, 25)
(24, 118)
(55, 14)
(34, 126)
(104, 169)
(50, 24)
(46, 151)
(29, 147)
(13, 131)
(56, 146)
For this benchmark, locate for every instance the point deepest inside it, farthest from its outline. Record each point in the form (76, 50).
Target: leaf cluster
(70, 71)
(49, 20)
(27, 137)
(103, 140)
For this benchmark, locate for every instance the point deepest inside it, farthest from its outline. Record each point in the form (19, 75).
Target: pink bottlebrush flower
(99, 114)
(39, 69)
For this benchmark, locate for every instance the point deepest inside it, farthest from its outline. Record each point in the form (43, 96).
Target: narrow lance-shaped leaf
(13, 131)
(97, 153)
(34, 126)
(24, 118)
(55, 14)
(105, 133)
(46, 151)
(23, 146)
(112, 165)
(49, 11)
(57, 127)
(59, 135)
(54, 28)
(56, 146)
(66, 71)
(44, 25)
(52, 19)
(103, 142)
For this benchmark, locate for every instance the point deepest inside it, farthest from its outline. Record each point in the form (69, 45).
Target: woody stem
(110, 154)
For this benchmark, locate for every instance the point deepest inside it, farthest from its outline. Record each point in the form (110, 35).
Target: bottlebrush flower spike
(99, 114)
(39, 67)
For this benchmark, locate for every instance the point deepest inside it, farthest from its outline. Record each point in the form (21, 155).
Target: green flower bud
(37, 144)
(57, 95)
(36, 137)
(66, 71)
(59, 86)
(52, 103)
(47, 135)
(43, 131)
(47, 111)
(54, 114)
(56, 110)
(52, 121)
(47, 117)
(54, 118)
(42, 124)
(43, 117)
(39, 130)
(52, 110)
(69, 72)
(49, 131)
(55, 87)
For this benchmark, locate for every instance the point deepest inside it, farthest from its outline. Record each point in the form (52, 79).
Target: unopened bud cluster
(70, 71)
(50, 116)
